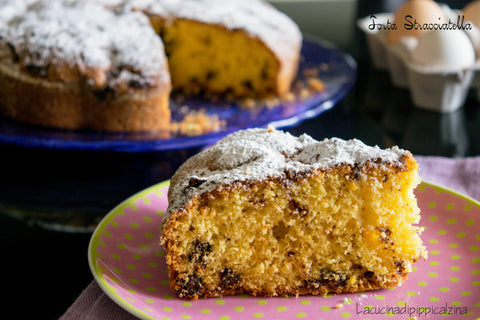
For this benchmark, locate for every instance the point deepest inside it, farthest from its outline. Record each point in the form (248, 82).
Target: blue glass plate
(338, 73)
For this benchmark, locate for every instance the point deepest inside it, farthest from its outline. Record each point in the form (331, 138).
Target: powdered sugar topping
(84, 34)
(256, 154)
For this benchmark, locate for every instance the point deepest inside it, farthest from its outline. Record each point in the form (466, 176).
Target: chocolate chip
(229, 278)
(200, 251)
(401, 268)
(211, 74)
(248, 84)
(192, 286)
(368, 274)
(39, 71)
(385, 235)
(137, 84)
(195, 182)
(297, 208)
(104, 94)
(13, 50)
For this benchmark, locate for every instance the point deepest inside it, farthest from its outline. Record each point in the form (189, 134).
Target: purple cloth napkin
(461, 175)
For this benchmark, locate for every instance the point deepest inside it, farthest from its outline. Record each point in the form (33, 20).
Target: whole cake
(111, 64)
(265, 213)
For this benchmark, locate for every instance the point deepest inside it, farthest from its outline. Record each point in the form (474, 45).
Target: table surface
(46, 269)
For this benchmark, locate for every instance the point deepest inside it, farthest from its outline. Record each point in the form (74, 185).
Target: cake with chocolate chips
(265, 213)
(111, 64)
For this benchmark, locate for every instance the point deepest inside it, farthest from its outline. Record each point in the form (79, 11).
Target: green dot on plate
(461, 235)
(300, 315)
(433, 299)
(434, 263)
(455, 268)
(470, 222)
(432, 274)
(455, 257)
(379, 297)
(434, 241)
(239, 308)
(412, 293)
(434, 252)
(476, 283)
(185, 316)
(346, 314)
(473, 248)
(186, 304)
(219, 302)
(442, 232)
(456, 303)
(224, 318)
(281, 308)
(432, 204)
(444, 289)
(258, 315)
(205, 311)
(422, 283)
(433, 218)
(465, 293)
(305, 302)
(262, 302)
(453, 280)
(325, 308)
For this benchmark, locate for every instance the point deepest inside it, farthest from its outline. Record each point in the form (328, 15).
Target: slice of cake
(265, 213)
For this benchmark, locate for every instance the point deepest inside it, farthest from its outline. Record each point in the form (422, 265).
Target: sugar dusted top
(257, 154)
(84, 34)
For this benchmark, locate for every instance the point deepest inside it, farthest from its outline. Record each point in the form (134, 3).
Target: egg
(446, 50)
(412, 17)
(472, 12)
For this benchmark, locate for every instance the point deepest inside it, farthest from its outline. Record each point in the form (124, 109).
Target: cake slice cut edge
(268, 214)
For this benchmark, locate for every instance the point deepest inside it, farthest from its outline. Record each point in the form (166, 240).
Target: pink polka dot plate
(129, 265)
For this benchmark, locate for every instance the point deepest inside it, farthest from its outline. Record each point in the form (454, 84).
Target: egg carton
(436, 88)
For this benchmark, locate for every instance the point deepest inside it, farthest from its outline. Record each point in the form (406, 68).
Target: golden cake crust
(74, 105)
